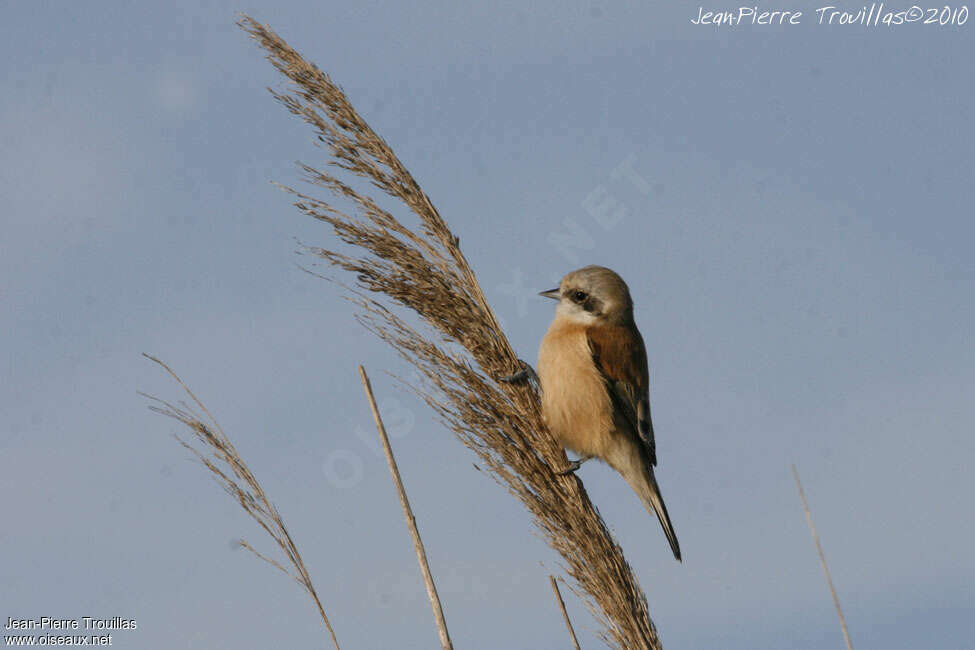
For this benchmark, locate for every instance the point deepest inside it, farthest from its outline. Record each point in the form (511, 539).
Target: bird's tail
(645, 485)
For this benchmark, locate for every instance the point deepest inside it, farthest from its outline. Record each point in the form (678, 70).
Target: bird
(594, 380)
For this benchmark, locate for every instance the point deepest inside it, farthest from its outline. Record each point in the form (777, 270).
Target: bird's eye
(579, 296)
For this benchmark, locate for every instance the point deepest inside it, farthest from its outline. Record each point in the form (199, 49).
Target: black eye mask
(584, 300)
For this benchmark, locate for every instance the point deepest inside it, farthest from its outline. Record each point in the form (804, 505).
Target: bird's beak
(551, 293)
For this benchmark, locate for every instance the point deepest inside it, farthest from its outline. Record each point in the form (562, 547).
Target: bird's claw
(526, 372)
(573, 466)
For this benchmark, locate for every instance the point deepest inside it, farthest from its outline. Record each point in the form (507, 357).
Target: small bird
(592, 370)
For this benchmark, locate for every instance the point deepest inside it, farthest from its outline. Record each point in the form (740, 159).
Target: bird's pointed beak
(551, 293)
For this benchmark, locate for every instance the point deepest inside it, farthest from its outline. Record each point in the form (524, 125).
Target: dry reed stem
(565, 614)
(219, 455)
(462, 349)
(822, 560)
(421, 553)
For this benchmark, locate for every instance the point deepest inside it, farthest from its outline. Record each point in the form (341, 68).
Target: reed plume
(217, 453)
(461, 349)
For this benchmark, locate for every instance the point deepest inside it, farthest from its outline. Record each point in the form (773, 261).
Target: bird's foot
(526, 372)
(573, 466)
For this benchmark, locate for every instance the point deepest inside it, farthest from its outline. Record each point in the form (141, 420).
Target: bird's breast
(576, 406)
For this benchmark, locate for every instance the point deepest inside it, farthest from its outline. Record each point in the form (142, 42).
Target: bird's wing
(621, 357)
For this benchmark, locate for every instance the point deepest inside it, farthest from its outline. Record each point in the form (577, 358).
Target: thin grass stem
(421, 553)
(822, 560)
(565, 614)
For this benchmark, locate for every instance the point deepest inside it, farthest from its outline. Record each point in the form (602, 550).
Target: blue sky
(798, 244)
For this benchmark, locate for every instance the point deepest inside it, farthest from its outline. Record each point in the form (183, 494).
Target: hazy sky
(796, 231)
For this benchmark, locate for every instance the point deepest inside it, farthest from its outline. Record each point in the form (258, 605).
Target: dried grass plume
(461, 348)
(217, 453)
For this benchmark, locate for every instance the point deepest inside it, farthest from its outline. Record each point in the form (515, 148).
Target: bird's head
(591, 295)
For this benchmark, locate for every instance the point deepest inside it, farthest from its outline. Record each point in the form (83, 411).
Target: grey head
(592, 294)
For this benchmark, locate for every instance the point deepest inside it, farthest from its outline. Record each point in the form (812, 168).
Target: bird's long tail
(645, 485)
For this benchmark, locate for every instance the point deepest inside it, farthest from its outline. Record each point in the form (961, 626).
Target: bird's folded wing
(620, 356)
